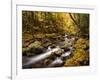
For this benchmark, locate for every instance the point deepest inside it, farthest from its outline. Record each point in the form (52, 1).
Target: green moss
(46, 44)
(39, 35)
(36, 44)
(25, 49)
(51, 35)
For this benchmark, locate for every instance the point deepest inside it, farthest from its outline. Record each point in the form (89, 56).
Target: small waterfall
(58, 60)
(66, 38)
(49, 48)
(66, 35)
(66, 54)
(40, 57)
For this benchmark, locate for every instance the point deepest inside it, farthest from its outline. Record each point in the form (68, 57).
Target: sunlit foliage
(41, 29)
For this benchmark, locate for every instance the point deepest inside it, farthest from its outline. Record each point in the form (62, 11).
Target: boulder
(36, 50)
(59, 52)
(36, 44)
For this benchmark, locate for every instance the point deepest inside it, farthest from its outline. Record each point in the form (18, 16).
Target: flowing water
(40, 57)
(38, 61)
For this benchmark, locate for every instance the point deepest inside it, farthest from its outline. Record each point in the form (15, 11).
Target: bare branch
(73, 19)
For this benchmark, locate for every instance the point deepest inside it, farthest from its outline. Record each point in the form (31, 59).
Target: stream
(42, 60)
(48, 58)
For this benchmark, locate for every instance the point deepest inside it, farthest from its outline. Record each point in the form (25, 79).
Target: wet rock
(36, 44)
(59, 52)
(47, 62)
(57, 62)
(52, 56)
(36, 50)
(25, 51)
(45, 45)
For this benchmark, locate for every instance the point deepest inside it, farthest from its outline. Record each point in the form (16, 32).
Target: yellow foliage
(81, 43)
(69, 26)
(80, 55)
(71, 29)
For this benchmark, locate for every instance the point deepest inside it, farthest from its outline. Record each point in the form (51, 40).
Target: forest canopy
(35, 22)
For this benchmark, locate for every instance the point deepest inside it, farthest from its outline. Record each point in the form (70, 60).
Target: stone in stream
(47, 62)
(33, 52)
(53, 57)
(58, 62)
(59, 52)
(36, 50)
(49, 48)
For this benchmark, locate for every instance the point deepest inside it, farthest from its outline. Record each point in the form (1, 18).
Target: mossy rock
(26, 52)
(46, 44)
(25, 49)
(65, 47)
(53, 45)
(32, 49)
(39, 35)
(52, 35)
(36, 50)
(36, 44)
